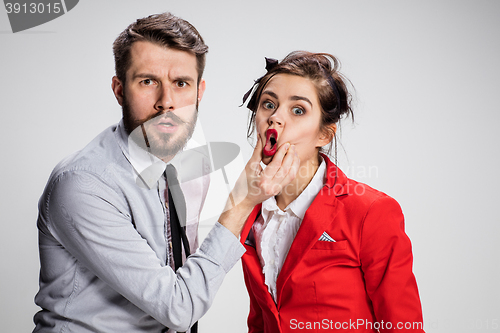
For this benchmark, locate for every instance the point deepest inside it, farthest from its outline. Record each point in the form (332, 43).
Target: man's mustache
(165, 115)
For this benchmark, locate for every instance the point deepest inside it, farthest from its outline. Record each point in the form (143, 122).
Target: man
(114, 222)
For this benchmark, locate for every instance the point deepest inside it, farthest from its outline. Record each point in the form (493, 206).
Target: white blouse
(275, 229)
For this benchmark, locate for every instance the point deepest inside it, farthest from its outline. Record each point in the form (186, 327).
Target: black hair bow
(270, 64)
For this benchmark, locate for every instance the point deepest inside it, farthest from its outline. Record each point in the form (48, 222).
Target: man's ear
(201, 89)
(118, 88)
(327, 135)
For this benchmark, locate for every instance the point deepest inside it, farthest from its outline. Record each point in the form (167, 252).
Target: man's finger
(286, 164)
(254, 162)
(257, 152)
(275, 165)
(292, 171)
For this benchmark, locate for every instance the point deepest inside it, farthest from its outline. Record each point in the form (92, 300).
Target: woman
(327, 253)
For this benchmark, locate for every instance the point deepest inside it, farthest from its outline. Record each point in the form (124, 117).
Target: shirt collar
(270, 206)
(300, 205)
(148, 168)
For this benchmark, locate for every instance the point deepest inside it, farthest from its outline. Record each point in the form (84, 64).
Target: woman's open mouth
(271, 142)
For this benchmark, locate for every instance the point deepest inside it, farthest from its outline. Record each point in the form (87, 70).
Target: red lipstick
(271, 142)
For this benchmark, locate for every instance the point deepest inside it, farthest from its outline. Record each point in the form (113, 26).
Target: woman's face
(289, 111)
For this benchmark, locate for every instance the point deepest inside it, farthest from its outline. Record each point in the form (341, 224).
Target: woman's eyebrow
(270, 93)
(300, 98)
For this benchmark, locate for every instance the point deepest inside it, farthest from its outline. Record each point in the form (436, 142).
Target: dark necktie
(177, 222)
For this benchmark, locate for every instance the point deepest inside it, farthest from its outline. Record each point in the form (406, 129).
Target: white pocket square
(326, 238)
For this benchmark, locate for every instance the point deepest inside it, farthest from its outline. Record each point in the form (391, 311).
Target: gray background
(427, 82)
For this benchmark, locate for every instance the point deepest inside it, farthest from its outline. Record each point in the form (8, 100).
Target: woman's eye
(297, 111)
(268, 105)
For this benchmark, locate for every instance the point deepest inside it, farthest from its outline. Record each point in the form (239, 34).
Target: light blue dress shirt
(103, 251)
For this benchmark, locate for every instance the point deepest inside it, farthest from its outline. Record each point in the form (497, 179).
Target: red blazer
(360, 283)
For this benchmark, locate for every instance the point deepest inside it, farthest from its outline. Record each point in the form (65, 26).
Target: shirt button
(170, 245)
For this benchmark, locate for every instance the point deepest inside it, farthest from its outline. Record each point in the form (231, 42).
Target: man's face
(159, 98)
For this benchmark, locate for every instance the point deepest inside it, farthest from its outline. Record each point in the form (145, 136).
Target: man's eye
(147, 82)
(298, 111)
(268, 105)
(181, 84)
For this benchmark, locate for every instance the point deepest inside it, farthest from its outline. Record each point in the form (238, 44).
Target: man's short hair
(162, 29)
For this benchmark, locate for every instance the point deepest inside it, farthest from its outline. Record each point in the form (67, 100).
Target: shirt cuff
(222, 246)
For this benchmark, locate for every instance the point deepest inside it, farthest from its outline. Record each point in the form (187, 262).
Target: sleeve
(89, 218)
(386, 261)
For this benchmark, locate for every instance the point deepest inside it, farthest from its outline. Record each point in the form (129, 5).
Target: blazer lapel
(249, 223)
(253, 267)
(256, 280)
(318, 217)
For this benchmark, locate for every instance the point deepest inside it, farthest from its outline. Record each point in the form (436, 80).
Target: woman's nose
(276, 118)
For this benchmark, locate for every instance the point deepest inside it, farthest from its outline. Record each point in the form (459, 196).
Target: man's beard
(162, 145)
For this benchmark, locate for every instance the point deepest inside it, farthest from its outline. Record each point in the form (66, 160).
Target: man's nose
(165, 99)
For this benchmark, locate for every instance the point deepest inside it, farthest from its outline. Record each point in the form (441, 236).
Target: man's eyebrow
(301, 98)
(270, 93)
(186, 78)
(144, 76)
